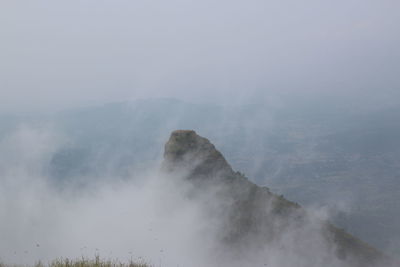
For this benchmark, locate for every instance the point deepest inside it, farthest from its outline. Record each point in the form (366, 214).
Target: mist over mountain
(340, 161)
(257, 227)
(290, 157)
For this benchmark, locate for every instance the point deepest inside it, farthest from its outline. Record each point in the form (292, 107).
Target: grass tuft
(84, 262)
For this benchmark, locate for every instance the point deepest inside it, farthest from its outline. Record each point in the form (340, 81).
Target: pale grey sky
(64, 53)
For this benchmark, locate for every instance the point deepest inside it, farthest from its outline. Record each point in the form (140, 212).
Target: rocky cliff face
(185, 150)
(254, 220)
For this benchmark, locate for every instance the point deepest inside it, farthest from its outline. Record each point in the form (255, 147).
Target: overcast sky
(77, 52)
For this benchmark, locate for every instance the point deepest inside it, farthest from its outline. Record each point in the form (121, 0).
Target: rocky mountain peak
(254, 217)
(187, 151)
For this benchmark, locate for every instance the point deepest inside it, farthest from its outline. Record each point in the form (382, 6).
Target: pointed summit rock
(185, 150)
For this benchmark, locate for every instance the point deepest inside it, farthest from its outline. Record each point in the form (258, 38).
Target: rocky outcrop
(185, 150)
(251, 215)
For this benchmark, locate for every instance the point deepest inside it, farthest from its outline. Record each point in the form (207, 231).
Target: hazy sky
(63, 53)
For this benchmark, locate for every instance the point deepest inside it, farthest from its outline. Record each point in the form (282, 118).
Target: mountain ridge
(255, 215)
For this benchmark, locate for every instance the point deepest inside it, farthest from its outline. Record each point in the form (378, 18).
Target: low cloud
(151, 216)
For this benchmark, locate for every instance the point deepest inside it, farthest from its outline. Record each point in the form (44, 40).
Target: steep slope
(252, 217)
